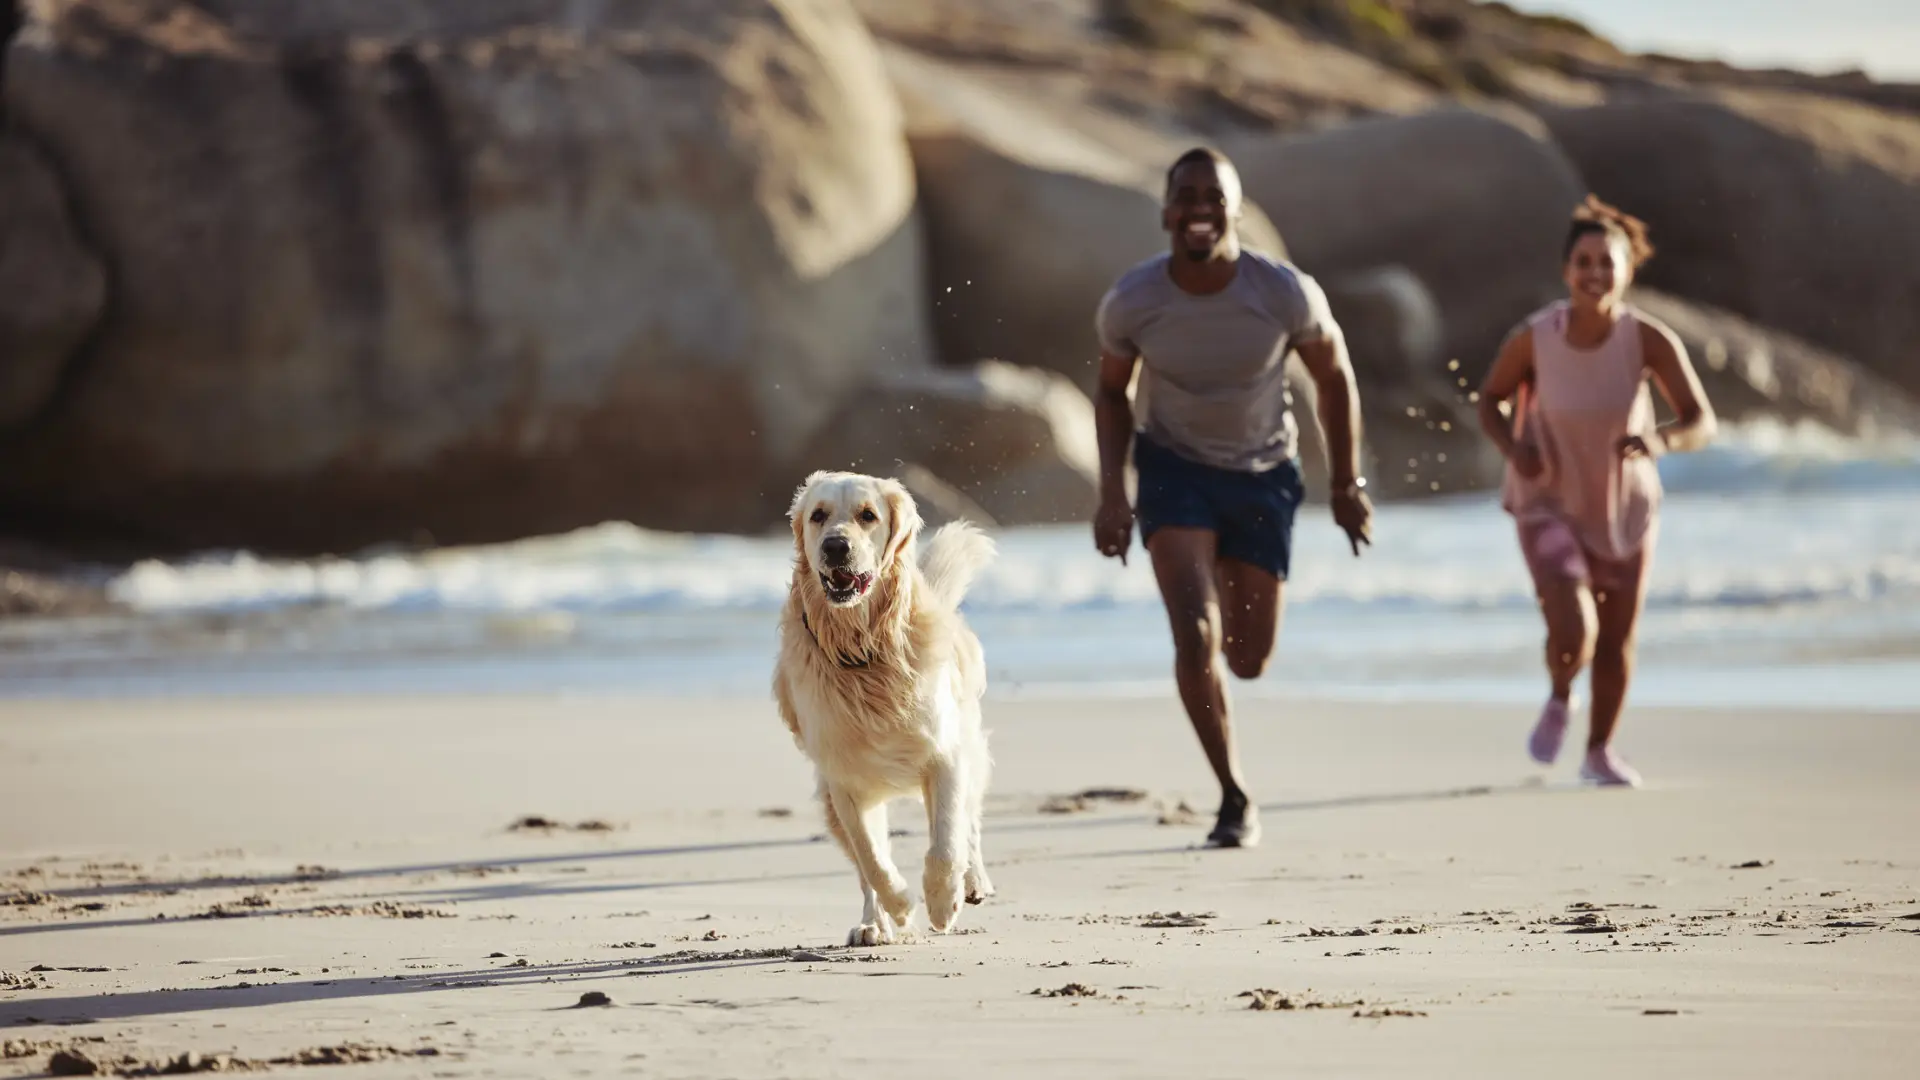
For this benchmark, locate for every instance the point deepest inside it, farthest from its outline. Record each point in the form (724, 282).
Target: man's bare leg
(1184, 565)
(1251, 600)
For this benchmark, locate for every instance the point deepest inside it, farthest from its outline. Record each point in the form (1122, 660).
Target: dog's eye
(868, 517)
(819, 515)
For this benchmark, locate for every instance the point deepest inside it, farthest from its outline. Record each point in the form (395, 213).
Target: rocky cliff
(313, 274)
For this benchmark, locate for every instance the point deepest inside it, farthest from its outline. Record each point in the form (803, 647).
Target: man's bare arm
(1113, 422)
(1326, 361)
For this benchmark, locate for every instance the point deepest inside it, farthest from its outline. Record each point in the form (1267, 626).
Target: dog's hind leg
(946, 787)
(863, 833)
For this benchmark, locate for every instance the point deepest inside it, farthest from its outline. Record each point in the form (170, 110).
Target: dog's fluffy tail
(950, 559)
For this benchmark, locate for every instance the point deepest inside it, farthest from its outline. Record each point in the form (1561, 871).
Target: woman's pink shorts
(1555, 554)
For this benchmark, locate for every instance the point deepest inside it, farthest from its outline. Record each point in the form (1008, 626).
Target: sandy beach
(303, 880)
(406, 409)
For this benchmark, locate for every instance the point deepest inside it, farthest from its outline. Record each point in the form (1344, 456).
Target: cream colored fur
(883, 693)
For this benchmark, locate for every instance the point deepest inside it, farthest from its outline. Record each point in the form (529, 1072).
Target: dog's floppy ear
(903, 518)
(797, 516)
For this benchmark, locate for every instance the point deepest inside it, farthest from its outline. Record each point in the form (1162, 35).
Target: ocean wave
(1714, 552)
(1767, 456)
(1771, 514)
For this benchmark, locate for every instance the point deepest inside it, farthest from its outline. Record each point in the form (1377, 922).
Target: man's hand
(1113, 527)
(1527, 461)
(1353, 512)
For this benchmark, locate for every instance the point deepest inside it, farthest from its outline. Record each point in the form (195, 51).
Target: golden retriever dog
(879, 679)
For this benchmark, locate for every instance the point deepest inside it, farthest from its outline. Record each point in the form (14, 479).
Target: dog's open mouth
(844, 586)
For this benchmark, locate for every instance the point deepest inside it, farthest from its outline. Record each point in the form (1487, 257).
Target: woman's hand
(1634, 446)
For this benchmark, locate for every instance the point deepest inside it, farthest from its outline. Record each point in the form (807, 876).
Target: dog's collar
(839, 658)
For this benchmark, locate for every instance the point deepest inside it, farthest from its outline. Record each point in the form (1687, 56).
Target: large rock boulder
(1030, 218)
(52, 288)
(1755, 373)
(1799, 212)
(1018, 443)
(1422, 434)
(1473, 204)
(473, 270)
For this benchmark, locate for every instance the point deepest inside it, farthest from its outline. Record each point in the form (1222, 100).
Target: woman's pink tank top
(1580, 404)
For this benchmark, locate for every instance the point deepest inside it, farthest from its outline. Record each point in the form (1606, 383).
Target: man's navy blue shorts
(1251, 513)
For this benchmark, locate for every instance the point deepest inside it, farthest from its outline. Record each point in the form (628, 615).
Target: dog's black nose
(836, 550)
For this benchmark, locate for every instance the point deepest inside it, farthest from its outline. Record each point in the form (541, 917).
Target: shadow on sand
(81, 1009)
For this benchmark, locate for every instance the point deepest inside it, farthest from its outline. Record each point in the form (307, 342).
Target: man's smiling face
(1202, 205)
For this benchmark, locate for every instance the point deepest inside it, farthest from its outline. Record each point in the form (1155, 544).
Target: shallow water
(1787, 575)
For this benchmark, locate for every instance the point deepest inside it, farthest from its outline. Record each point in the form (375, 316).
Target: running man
(1215, 445)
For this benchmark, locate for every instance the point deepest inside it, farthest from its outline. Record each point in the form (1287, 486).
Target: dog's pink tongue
(842, 579)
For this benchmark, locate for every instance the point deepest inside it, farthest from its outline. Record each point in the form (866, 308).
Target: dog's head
(851, 531)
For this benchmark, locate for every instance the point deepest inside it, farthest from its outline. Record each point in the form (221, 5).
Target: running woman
(1580, 439)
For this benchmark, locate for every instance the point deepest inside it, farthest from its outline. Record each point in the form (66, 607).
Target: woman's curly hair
(1594, 216)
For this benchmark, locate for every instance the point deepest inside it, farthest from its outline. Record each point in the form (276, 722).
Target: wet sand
(314, 880)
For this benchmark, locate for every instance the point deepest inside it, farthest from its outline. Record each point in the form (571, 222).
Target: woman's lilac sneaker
(1549, 732)
(1605, 768)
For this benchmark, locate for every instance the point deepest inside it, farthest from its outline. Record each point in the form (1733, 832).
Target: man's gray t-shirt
(1214, 388)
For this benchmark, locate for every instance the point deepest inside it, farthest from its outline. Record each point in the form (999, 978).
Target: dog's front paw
(882, 931)
(944, 883)
(897, 901)
(873, 933)
(979, 887)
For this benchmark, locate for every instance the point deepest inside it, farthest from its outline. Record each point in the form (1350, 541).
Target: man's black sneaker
(1239, 826)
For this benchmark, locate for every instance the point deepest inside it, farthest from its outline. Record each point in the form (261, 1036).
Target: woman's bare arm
(1511, 370)
(1666, 357)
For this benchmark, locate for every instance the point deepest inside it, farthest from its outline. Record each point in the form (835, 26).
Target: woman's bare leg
(1572, 626)
(1613, 655)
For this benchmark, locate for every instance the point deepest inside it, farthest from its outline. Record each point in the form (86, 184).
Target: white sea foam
(1459, 553)
(1779, 547)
